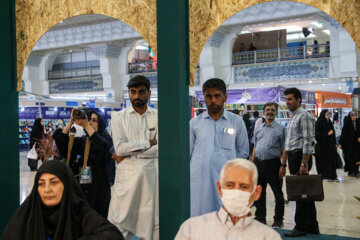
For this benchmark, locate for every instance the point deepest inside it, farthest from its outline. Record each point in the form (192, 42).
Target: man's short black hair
(215, 83)
(295, 91)
(271, 104)
(138, 81)
(256, 114)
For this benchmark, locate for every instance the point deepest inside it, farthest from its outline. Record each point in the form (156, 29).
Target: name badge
(86, 176)
(229, 130)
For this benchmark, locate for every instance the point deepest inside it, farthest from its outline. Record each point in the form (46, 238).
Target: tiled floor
(336, 214)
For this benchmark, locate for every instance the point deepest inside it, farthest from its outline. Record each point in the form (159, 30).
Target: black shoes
(297, 233)
(277, 224)
(294, 233)
(313, 231)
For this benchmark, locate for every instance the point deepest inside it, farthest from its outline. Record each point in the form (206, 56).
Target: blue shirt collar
(224, 115)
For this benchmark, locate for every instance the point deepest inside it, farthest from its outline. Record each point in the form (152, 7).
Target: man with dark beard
(216, 136)
(269, 143)
(134, 195)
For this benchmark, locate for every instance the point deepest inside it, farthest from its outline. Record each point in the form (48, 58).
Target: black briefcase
(304, 188)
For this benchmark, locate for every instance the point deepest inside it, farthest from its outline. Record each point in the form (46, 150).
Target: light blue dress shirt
(212, 144)
(269, 140)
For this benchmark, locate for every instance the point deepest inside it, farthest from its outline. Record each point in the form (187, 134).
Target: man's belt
(295, 151)
(270, 159)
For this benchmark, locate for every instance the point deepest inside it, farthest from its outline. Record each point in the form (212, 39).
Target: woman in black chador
(56, 209)
(36, 136)
(325, 148)
(99, 173)
(350, 144)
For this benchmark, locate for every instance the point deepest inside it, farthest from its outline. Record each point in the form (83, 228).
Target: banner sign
(251, 95)
(333, 100)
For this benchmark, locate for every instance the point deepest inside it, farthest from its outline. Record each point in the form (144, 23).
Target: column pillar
(174, 114)
(111, 69)
(9, 141)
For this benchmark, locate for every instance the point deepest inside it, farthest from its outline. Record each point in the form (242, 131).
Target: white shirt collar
(132, 110)
(224, 217)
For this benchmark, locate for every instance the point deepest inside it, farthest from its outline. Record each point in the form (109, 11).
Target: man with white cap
(238, 190)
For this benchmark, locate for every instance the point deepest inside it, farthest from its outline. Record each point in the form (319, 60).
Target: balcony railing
(139, 67)
(74, 73)
(282, 54)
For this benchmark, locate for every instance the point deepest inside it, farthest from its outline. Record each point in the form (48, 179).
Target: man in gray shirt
(269, 141)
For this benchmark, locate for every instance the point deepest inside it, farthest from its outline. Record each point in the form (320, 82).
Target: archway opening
(293, 45)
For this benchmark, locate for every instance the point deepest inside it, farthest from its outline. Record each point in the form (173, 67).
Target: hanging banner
(333, 100)
(251, 95)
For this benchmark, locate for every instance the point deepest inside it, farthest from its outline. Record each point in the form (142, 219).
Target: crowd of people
(107, 188)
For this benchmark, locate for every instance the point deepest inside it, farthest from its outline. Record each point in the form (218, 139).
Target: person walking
(269, 141)
(325, 148)
(349, 143)
(37, 135)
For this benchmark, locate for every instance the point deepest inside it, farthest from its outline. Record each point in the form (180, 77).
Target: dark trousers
(305, 214)
(268, 171)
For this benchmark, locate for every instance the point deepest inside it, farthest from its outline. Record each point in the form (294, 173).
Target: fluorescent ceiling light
(317, 24)
(289, 28)
(296, 36)
(142, 48)
(244, 32)
(326, 31)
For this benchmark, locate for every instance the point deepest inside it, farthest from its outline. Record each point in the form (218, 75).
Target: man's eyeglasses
(270, 110)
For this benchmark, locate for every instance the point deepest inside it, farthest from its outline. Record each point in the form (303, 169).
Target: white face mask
(236, 201)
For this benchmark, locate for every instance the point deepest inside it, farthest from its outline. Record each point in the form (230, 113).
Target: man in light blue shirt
(269, 142)
(216, 136)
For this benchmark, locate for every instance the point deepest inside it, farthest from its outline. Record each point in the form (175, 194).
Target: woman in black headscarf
(325, 148)
(102, 167)
(38, 132)
(350, 144)
(36, 135)
(57, 210)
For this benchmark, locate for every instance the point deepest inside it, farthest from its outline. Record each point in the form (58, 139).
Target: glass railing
(145, 66)
(282, 54)
(74, 73)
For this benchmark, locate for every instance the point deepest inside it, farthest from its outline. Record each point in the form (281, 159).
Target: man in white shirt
(133, 205)
(238, 190)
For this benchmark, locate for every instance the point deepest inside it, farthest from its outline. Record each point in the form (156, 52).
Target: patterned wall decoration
(207, 15)
(35, 17)
(291, 70)
(76, 85)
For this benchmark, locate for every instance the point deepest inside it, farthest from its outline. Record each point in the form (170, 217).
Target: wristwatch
(283, 165)
(304, 164)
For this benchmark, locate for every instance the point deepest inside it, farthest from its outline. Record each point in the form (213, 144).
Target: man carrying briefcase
(298, 146)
